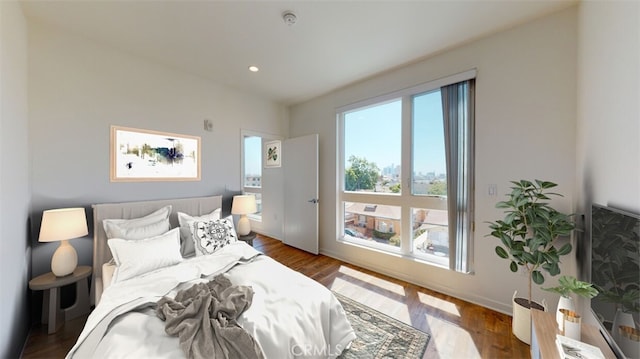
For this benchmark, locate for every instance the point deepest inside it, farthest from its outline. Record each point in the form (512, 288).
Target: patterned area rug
(380, 336)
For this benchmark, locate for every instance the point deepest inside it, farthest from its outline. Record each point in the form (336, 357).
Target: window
(406, 172)
(252, 170)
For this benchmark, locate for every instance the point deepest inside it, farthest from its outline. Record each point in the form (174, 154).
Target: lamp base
(64, 260)
(244, 226)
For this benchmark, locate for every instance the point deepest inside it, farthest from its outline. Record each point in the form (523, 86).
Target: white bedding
(107, 273)
(290, 316)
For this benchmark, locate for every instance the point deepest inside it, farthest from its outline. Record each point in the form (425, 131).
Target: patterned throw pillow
(210, 236)
(186, 224)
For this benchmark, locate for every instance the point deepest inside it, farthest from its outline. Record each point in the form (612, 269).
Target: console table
(544, 329)
(52, 314)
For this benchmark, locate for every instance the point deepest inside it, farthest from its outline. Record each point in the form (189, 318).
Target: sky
(375, 134)
(253, 163)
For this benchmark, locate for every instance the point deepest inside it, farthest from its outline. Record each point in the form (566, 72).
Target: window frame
(406, 200)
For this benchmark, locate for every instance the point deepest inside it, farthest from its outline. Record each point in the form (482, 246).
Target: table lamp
(61, 225)
(243, 205)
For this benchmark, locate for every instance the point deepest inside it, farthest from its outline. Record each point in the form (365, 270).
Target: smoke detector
(289, 18)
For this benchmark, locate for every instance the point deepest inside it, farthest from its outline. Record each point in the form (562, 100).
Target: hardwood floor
(459, 329)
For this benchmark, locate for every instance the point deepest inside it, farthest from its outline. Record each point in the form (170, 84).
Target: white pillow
(138, 257)
(210, 236)
(186, 239)
(148, 226)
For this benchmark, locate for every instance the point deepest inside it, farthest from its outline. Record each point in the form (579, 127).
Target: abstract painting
(146, 155)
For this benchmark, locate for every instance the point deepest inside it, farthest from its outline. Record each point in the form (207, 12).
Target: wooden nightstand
(52, 314)
(248, 238)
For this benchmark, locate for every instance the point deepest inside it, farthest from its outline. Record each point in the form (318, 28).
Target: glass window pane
(253, 161)
(428, 148)
(372, 148)
(430, 232)
(258, 214)
(373, 223)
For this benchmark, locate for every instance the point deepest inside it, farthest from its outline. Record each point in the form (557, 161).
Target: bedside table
(248, 238)
(52, 314)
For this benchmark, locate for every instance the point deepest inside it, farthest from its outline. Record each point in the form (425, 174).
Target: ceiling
(332, 44)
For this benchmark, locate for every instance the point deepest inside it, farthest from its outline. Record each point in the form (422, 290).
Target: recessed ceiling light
(253, 68)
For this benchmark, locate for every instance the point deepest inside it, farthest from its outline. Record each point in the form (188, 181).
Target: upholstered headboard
(101, 254)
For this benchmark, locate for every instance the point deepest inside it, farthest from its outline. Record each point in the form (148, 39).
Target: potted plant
(528, 235)
(566, 286)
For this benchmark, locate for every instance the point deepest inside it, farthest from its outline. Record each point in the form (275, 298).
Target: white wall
(78, 88)
(15, 254)
(608, 137)
(609, 104)
(525, 128)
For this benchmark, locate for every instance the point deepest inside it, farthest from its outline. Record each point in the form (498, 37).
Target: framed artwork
(272, 154)
(146, 155)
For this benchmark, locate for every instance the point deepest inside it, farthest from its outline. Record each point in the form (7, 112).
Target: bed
(288, 316)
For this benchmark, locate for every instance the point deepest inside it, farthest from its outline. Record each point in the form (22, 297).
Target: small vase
(563, 303)
(571, 324)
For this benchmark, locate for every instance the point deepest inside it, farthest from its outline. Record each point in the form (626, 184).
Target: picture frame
(272, 154)
(138, 155)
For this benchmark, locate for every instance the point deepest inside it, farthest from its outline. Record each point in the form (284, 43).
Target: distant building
(381, 218)
(252, 181)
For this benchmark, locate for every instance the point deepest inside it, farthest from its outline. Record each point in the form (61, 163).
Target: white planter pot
(521, 321)
(621, 319)
(564, 303)
(629, 341)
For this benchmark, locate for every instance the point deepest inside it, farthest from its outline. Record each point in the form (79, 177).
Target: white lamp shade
(62, 224)
(244, 204)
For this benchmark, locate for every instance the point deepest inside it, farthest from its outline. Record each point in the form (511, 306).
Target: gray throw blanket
(204, 319)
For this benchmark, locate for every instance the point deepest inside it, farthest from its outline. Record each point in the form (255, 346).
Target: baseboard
(267, 234)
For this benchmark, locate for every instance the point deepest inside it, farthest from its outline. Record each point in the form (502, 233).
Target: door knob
(314, 200)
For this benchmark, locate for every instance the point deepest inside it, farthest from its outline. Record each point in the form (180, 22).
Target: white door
(300, 164)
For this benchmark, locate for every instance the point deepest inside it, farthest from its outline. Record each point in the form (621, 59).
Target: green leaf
(522, 201)
(506, 241)
(566, 249)
(552, 268)
(501, 252)
(529, 257)
(509, 218)
(537, 277)
(514, 267)
(546, 184)
(503, 205)
(541, 196)
(525, 183)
